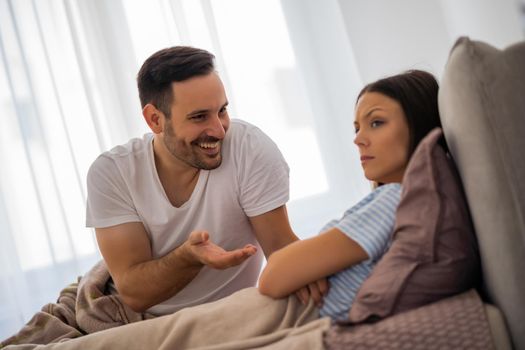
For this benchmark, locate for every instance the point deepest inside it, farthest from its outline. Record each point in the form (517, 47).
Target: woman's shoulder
(391, 188)
(389, 193)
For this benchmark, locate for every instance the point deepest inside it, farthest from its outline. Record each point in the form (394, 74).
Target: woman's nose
(357, 138)
(360, 139)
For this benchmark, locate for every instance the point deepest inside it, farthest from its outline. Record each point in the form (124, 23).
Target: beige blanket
(83, 307)
(244, 320)
(248, 320)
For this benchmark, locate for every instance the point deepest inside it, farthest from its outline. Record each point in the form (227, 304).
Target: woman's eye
(376, 123)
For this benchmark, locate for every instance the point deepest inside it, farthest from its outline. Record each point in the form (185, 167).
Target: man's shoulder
(124, 155)
(248, 145)
(241, 127)
(132, 147)
(242, 132)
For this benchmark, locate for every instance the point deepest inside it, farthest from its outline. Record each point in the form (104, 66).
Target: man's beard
(189, 153)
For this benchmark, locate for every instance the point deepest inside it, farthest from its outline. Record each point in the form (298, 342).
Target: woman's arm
(306, 261)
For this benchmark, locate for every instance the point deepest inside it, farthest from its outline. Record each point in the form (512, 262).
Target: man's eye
(356, 130)
(223, 110)
(198, 117)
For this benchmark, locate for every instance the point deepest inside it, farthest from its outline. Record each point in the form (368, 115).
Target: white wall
(496, 22)
(391, 36)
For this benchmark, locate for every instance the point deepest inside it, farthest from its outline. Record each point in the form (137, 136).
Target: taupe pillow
(434, 251)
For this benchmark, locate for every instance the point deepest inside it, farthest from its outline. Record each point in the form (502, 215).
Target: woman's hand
(315, 290)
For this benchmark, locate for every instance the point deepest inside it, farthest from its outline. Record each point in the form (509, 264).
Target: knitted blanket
(458, 322)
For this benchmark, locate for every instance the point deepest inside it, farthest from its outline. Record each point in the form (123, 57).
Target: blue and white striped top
(369, 223)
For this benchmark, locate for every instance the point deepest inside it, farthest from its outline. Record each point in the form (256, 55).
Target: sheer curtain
(67, 93)
(292, 67)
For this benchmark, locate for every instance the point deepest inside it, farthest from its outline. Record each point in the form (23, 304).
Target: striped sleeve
(371, 221)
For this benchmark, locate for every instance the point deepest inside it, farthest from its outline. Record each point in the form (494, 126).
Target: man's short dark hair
(174, 64)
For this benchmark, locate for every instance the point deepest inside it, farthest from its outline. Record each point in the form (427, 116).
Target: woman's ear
(153, 118)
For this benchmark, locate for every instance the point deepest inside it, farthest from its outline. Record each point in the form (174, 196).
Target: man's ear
(154, 118)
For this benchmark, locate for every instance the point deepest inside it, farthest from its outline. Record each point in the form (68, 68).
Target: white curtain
(67, 93)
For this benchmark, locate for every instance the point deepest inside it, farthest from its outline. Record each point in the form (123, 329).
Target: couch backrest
(482, 106)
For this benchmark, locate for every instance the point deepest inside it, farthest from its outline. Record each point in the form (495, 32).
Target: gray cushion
(482, 106)
(433, 253)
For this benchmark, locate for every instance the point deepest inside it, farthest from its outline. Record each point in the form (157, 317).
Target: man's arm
(273, 230)
(143, 281)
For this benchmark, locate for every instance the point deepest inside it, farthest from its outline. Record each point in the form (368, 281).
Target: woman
(392, 115)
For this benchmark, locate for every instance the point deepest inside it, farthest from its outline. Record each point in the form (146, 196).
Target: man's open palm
(210, 254)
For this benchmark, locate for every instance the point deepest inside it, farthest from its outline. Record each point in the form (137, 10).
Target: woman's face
(382, 137)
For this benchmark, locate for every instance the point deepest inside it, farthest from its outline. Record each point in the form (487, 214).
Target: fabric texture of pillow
(458, 322)
(434, 250)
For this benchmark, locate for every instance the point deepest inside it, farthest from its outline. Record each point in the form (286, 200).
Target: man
(181, 213)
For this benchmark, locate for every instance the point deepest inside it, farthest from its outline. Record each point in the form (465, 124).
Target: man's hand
(315, 290)
(205, 252)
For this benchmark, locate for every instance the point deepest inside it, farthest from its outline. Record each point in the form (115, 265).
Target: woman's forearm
(306, 261)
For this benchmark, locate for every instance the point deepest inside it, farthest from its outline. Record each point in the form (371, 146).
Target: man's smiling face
(198, 123)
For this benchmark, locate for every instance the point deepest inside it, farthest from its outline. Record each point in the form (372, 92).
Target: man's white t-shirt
(123, 186)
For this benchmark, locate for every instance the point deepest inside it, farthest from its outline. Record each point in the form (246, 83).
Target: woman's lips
(364, 159)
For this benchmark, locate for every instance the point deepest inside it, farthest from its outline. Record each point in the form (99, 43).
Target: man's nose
(217, 127)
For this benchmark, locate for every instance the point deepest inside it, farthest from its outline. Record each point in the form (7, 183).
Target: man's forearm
(149, 283)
